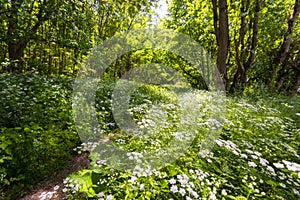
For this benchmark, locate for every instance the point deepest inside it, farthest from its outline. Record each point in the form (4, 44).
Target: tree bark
(282, 55)
(284, 49)
(16, 44)
(254, 41)
(245, 54)
(222, 35)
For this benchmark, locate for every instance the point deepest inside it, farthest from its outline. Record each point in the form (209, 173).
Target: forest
(149, 99)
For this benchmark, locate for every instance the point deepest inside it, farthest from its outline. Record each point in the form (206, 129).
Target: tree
(281, 59)
(24, 19)
(54, 36)
(284, 49)
(246, 45)
(222, 35)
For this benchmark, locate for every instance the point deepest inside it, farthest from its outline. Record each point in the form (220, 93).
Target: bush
(37, 133)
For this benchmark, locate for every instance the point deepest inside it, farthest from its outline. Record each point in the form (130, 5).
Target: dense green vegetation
(258, 133)
(255, 157)
(37, 132)
(183, 140)
(54, 37)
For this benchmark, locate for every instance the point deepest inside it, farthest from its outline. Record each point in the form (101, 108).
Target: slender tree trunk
(254, 41)
(15, 46)
(245, 54)
(288, 35)
(297, 71)
(297, 82)
(282, 55)
(222, 35)
(16, 54)
(223, 39)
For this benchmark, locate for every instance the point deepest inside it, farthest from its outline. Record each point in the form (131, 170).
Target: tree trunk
(282, 55)
(245, 54)
(15, 46)
(16, 54)
(288, 35)
(254, 41)
(223, 39)
(297, 71)
(222, 35)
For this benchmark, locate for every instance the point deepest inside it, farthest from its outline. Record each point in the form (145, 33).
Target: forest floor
(44, 189)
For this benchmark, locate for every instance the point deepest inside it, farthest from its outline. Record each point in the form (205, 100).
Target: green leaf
(35, 4)
(85, 182)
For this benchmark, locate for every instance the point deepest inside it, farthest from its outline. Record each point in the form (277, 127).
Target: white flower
(195, 194)
(43, 196)
(142, 186)
(271, 169)
(278, 165)
(56, 187)
(257, 153)
(263, 161)
(261, 181)
(292, 166)
(249, 151)
(212, 196)
(296, 192)
(192, 185)
(282, 185)
(101, 194)
(251, 186)
(224, 192)
(219, 142)
(244, 155)
(252, 164)
(76, 188)
(174, 189)
(182, 191)
(185, 177)
(133, 179)
(183, 181)
(66, 180)
(235, 152)
(109, 197)
(172, 181)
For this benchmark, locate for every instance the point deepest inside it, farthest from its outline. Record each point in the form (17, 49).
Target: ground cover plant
(161, 141)
(36, 130)
(256, 155)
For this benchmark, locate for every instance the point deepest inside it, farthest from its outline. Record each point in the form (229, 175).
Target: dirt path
(48, 187)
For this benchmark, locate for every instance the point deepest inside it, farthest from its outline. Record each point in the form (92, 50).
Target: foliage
(53, 37)
(36, 128)
(256, 155)
(195, 18)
